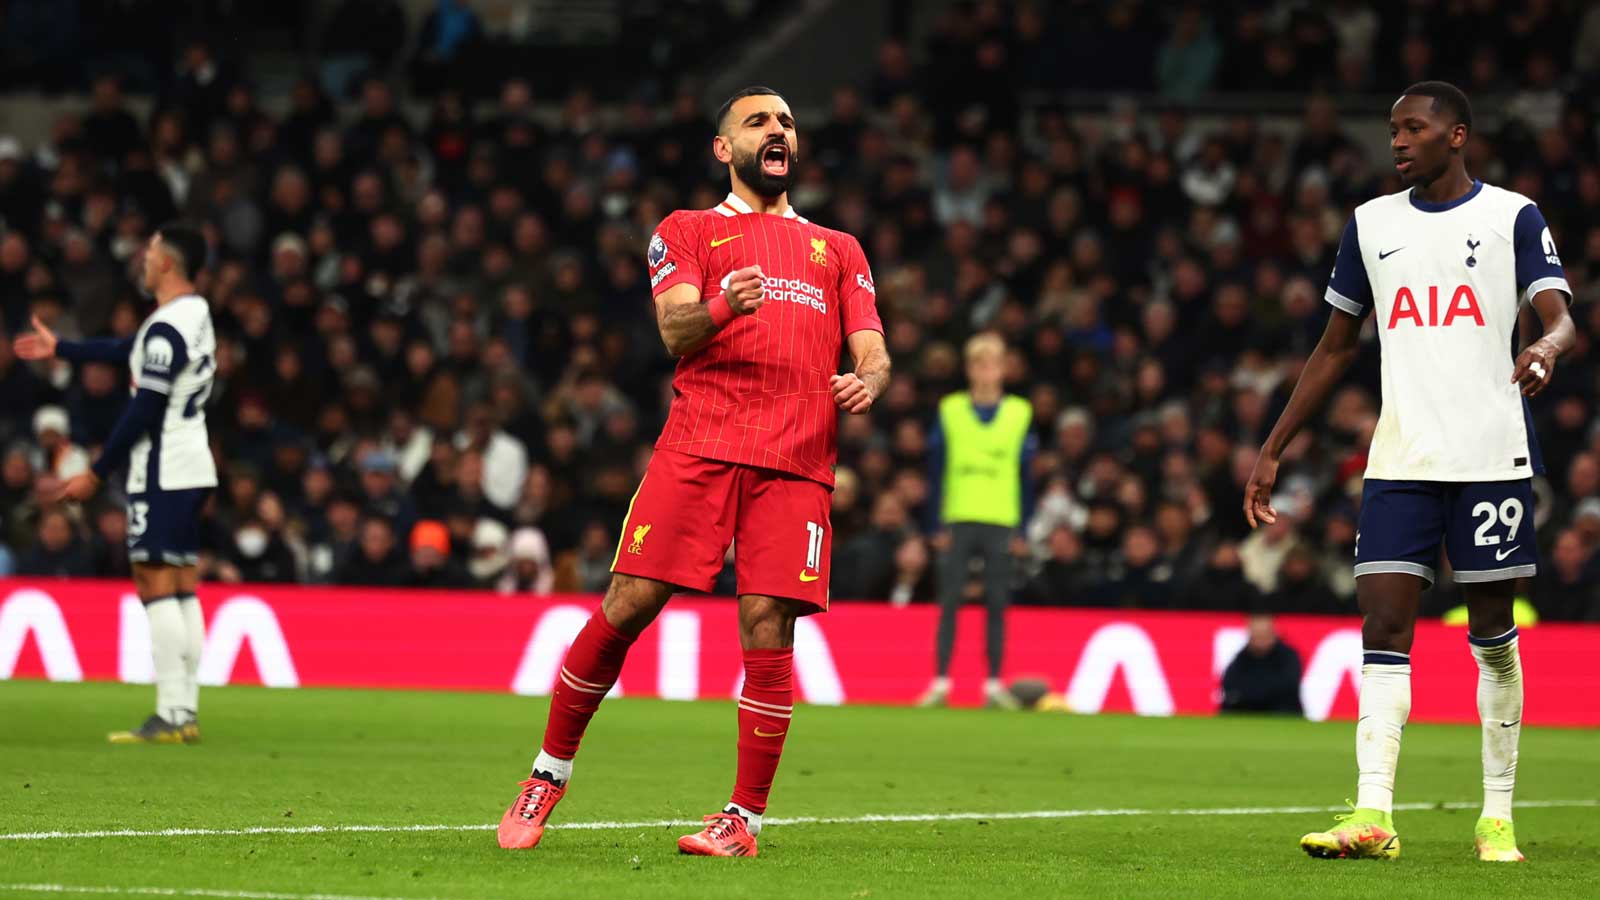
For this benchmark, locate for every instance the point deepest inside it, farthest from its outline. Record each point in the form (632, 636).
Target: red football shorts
(688, 509)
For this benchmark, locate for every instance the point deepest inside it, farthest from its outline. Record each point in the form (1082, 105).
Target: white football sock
(1385, 704)
(167, 641)
(194, 635)
(752, 819)
(1500, 709)
(940, 684)
(559, 769)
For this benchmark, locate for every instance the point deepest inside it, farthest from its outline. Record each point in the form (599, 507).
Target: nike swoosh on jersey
(1500, 555)
(715, 243)
(1382, 254)
(808, 578)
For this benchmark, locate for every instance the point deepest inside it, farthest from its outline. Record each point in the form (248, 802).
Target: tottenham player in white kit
(162, 439)
(1444, 268)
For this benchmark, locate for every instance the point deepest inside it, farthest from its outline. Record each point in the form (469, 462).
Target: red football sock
(765, 705)
(590, 669)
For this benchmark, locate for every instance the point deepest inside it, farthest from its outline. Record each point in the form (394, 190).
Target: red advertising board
(1151, 663)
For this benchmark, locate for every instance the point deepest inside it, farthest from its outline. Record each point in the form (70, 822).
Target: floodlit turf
(284, 759)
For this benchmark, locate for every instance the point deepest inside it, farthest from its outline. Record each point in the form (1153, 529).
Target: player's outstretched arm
(855, 391)
(686, 324)
(41, 344)
(1536, 364)
(1339, 347)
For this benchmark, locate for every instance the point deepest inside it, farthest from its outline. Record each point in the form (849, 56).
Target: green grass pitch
(293, 759)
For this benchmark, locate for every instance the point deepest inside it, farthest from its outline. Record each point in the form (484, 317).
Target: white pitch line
(176, 892)
(869, 818)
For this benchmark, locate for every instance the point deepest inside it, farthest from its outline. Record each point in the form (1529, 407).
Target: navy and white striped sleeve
(1538, 264)
(164, 357)
(1348, 287)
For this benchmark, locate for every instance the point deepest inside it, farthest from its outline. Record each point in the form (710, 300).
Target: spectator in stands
(259, 551)
(58, 552)
(530, 571)
(489, 557)
(95, 403)
(20, 391)
(1141, 579)
(431, 565)
(505, 459)
(109, 129)
(338, 541)
(17, 498)
(409, 443)
(596, 550)
(1263, 553)
(864, 565)
(1181, 551)
(1222, 584)
(380, 487)
(108, 546)
(913, 576)
(1301, 589)
(58, 455)
(1064, 577)
(375, 560)
(1565, 590)
(1265, 676)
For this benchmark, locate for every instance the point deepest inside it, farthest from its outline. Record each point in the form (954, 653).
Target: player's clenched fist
(851, 394)
(745, 292)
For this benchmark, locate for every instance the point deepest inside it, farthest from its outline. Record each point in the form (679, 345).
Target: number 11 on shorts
(813, 546)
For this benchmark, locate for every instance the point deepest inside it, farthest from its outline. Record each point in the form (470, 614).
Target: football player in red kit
(757, 303)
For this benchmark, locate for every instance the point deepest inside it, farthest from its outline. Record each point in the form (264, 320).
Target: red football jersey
(758, 393)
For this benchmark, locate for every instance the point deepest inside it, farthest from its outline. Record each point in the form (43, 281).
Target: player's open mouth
(775, 159)
(1402, 164)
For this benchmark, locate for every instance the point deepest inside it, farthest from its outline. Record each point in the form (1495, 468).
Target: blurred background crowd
(437, 356)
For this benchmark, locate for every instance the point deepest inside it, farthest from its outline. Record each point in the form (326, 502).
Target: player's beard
(748, 168)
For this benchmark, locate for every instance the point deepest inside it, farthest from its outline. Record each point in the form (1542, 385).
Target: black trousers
(992, 544)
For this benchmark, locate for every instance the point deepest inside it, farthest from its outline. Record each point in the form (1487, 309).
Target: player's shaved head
(186, 245)
(1444, 99)
(726, 109)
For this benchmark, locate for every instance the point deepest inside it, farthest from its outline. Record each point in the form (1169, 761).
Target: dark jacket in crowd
(1268, 682)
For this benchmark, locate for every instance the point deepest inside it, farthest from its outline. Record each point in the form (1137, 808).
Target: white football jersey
(174, 353)
(1445, 282)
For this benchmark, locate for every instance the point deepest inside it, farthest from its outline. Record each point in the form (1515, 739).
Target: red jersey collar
(732, 205)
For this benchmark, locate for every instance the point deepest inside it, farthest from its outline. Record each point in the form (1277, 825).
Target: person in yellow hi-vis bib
(980, 493)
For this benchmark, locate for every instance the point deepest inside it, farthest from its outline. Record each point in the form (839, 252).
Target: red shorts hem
(789, 588)
(678, 579)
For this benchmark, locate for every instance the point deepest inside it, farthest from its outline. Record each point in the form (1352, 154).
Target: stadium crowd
(437, 359)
